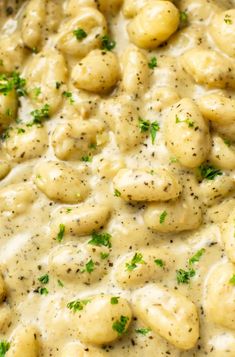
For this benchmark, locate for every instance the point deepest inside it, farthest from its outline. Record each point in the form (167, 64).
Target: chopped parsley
(36, 92)
(6, 85)
(137, 259)
(143, 331)
(4, 347)
(58, 85)
(104, 255)
(152, 63)
(117, 193)
(159, 262)
(114, 300)
(44, 279)
(227, 19)
(19, 84)
(232, 280)
(20, 131)
(80, 34)
(162, 217)
(90, 266)
(60, 234)
(196, 257)
(183, 17)
(69, 95)
(43, 291)
(188, 121)
(209, 172)
(39, 115)
(101, 239)
(227, 142)
(77, 305)
(146, 125)
(184, 276)
(86, 158)
(120, 325)
(173, 159)
(60, 283)
(107, 43)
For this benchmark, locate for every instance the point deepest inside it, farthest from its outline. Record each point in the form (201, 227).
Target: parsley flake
(101, 239)
(162, 217)
(137, 259)
(39, 115)
(107, 43)
(90, 266)
(227, 19)
(209, 172)
(143, 331)
(117, 193)
(86, 158)
(60, 234)
(60, 283)
(120, 325)
(146, 125)
(43, 291)
(159, 262)
(4, 347)
(196, 257)
(44, 279)
(152, 63)
(188, 121)
(104, 255)
(80, 34)
(183, 17)
(69, 95)
(114, 300)
(77, 305)
(183, 276)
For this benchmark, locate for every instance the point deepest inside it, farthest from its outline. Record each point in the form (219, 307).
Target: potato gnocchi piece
(132, 7)
(220, 295)
(24, 343)
(33, 22)
(78, 350)
(49, 65)
(211, 191)
(61, 182)
(187, 133)
(222, 154)
(167, 313)
(99, 320)
(217, 108)
(5, 317)
(228, 234)
(223, 27)
(138, 268)
(109, 168)
(227, 131)
(80, 220)
(209, 68)
(121, 115)
(72, 7)
(98, 72)
(53, 15)
(143, 185)
(92, 22)
(78, 262)
(26, 142)
(182, 215)
(135, 76)
(109, 7)
(16, 198)
(8, 107)
(12, 52)
(154, 24)
(5, 168)
(75, 139)
(160, 98)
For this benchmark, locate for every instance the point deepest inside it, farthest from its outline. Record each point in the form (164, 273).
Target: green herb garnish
(137, 259)
(114, 300)
(101, 239)
(209, 172)
(152, 63)
(143, 331)
(44, 279)
(120, 325)
(61, 232)
(159, 262)
(77, 305)
(80, 34)
(162, 217)
(183, 276)
(4, 347)
(107, 43)
(196, 257)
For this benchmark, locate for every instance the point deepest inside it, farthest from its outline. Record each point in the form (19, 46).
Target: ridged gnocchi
(98, 72)
(61, 182)
(154, 24)
(97, 322)
(26, 142)
(168, 313)
(50, 65)
(33, 21)
(92, 22)
(187, 133)
(135, 71)
(80, 220)
(223, 31)
(24, 343)
(147, 185)
(82, 262)
(151, 265)
(209, 68)
(220, 295)
(75, 139)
